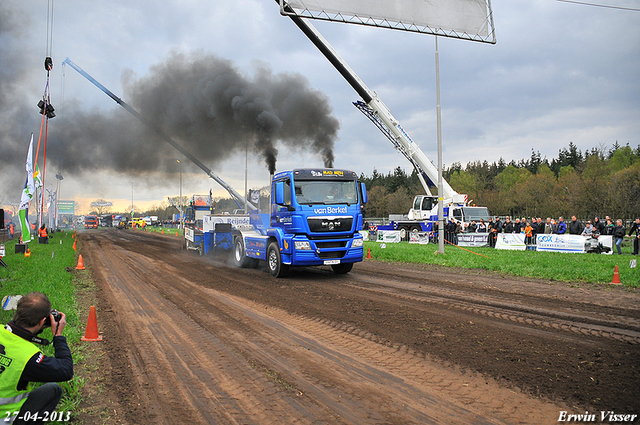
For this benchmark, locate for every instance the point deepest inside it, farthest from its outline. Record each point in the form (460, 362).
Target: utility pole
(181, 209)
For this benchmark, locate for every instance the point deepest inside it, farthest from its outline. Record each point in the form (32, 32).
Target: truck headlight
(357, 243)
(302, 245)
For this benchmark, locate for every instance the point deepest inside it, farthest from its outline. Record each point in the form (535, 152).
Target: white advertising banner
(473, 239)
(512, 241)
(421, 238)
(560, 243)
(607, 242)
(389, 236)
(468, 19)
(237, 221)
(573, 243)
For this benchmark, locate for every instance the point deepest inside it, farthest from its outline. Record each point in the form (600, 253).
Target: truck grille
(331, 244)
(331, 254)
(330, 224)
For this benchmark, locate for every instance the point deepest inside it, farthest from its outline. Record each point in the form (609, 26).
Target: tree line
(598, 182)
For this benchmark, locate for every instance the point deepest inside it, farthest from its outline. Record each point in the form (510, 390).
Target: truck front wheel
(274, 261)
(343, 268)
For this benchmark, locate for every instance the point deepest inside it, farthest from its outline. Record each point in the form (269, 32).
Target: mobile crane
(424, 214)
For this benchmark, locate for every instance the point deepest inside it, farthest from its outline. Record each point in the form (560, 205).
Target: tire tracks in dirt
(624, 328)
(206, 356)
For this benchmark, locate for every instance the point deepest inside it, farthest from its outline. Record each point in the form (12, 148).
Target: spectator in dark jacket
(497, 225)
(517, 226)
(635, 228)
(599, 224)
(508, 226)
(618, 234)
(472, 227)
(575, 227)
(609, 227)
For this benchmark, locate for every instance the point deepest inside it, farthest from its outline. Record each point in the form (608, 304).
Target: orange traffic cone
(74, 245)
(91, 333)
(368, 253)
(163, 231)
(80, 265)
(27, 253)
(176, 233)
(616, 276)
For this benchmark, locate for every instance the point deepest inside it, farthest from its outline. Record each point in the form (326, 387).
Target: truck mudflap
(194, 240)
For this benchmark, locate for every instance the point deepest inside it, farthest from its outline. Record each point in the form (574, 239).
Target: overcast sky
(559, 73)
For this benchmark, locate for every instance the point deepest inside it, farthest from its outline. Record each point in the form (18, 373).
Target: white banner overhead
(466, 19)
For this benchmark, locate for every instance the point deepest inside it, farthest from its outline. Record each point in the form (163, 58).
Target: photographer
(21, 362)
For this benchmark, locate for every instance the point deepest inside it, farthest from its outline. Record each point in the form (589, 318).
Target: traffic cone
(91, 333)
(74, 245)
(27, 253)
(368, 253)
(80, 265)
(616, 276)
(163, 231)
(176, 233)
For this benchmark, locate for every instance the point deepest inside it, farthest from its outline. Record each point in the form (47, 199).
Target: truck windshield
(326, 192)
(476, 213)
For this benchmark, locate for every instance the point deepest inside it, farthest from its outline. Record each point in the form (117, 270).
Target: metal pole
(180, 221)
(131, 200)
(440, 188)
(246, 164)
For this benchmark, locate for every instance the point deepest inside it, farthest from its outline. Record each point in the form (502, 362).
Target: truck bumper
(324, 252)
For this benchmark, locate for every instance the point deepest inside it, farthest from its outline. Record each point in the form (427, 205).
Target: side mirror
(279, 195)
(363, 190)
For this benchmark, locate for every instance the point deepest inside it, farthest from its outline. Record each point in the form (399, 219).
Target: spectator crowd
(535, 226)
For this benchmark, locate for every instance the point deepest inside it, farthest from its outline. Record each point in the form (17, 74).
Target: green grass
(564, 267)
(46, 271)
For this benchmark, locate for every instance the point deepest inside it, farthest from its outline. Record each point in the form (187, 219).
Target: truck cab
(315, 218)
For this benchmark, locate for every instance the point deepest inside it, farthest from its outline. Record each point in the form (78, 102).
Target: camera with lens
(56, 316)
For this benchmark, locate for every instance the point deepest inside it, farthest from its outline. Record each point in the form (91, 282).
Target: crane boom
(380, 114)
(239, 199)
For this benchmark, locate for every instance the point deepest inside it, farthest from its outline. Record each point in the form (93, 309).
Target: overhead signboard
(466, 19)
(66, 207)
(98, 204)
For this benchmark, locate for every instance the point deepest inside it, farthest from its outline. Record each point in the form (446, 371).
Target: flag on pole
(37, 182)
(27, 195)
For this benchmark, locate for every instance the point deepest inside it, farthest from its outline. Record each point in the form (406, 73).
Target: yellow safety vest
(15, 352)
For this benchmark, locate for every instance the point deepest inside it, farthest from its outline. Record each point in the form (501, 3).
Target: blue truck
(315, 219)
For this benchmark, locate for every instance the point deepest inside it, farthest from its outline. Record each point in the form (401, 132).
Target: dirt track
(190, 339)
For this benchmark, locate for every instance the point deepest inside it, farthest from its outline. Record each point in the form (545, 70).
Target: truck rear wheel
(240, 258)
(343, 268)
(274, 261)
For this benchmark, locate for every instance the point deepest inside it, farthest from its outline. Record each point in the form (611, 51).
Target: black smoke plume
(203, 102)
